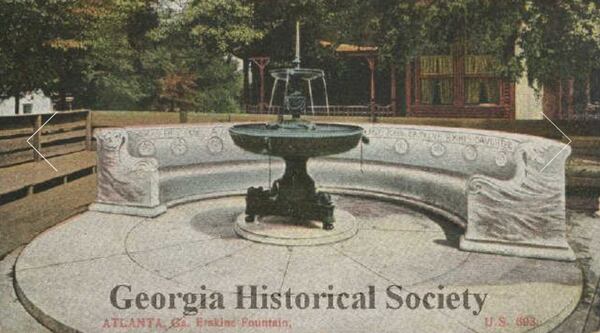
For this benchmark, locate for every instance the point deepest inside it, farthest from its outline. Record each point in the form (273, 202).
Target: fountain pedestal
(292, 195)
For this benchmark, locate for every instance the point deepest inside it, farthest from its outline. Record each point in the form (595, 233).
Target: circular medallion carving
(501, 159)
(146, 148)
(179, 146)
(401, 146)
(215, 145)
(438, 149)
(469, 153)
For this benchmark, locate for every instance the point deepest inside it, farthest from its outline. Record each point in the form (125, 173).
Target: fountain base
(290, 231)
(293, 195)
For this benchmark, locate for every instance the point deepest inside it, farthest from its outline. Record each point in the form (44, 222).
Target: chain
(361, 157)
(269, 172)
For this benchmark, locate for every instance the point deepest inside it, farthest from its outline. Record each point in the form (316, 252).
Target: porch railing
(582, 116)
(332, 110)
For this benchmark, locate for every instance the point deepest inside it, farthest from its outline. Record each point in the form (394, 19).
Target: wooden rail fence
(34, 196)
(66, 133)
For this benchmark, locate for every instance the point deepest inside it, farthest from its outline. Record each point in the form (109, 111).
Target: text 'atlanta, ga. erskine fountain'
(295, 140)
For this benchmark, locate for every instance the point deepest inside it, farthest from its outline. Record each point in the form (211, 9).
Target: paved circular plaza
(188, 271)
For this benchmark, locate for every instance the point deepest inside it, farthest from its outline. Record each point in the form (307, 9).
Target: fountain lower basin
(296, 139)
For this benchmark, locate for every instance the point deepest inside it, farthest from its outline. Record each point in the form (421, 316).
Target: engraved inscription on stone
(165, 133)
(474, 139)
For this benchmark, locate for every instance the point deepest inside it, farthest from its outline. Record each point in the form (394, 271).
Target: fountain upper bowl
(305, 141)
(302, 73)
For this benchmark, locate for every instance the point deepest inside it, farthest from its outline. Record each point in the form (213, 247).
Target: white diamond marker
(37, 151)
(563, 148)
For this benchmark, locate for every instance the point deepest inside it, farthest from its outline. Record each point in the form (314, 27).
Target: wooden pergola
(261, 63)
(369, 53)
(454, 85)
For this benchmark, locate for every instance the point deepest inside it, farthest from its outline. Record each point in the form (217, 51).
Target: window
(481, 85)
(482, 91)
(436, 80)
(457, 80)
(27, 108)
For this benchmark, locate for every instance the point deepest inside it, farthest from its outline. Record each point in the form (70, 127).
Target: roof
(351, 48)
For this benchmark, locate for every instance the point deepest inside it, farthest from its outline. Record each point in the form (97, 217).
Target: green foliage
(405, 29)
(165, 54)
(125, 54)
(220, 25)
(112, 74)
(197, 42)
(27, 56)
(561, 39)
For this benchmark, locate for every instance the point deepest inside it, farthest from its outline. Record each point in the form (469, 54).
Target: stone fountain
(294, 195)
(294, 76)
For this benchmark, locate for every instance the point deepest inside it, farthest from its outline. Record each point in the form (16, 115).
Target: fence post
(183, 117)
(88, 130)
(37, 142)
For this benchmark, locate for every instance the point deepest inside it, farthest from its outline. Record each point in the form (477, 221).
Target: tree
(30, 46)
(75, 47)
(114, 76)
(561, 39)
(191, 62)
(137, 54)
(176, 87)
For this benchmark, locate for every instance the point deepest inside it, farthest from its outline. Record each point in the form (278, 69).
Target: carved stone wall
(508, 190)
(525, 212)
(124, 180)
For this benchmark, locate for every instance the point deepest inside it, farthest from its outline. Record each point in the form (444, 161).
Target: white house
(35, 102)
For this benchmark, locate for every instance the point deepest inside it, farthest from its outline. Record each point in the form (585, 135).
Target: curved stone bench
(506, 190)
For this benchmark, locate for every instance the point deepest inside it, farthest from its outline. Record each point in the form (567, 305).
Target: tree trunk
(393, 89)
(62, 103)
(570, 97)
(551, 100)
(245, 88)
(17, 102)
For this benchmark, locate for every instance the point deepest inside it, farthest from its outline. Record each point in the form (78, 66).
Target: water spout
(273, 93)
(294, 77)
(326, 96)
(287, 83)
(312, 103)
(297, 59)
